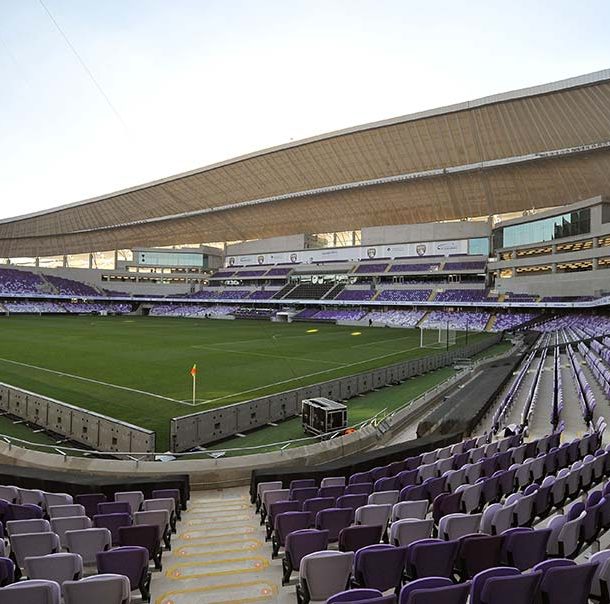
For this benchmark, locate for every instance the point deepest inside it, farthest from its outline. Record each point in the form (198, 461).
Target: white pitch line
(84, 379)
(264, 354)
(383, 356)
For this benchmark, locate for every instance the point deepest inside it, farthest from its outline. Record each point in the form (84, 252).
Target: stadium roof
(532, 148)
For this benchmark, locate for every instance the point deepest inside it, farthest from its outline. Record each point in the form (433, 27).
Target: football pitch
(137, 368)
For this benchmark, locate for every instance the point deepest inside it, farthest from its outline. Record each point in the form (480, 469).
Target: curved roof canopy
(537, 147)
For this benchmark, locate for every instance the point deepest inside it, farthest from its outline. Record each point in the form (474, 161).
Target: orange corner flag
(193, 370)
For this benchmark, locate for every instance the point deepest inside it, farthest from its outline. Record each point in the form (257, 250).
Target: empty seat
(26, 511)
(51, 499)
(333, 481)
(144, 535)
(353, 538)
(36, 525)
(33, 544)
(377, 514)
(109, 589)
(333, 520)
(71, 523)
(31, 592)
(112, 522)
(379, 567)
(33, 496)
(323, 574)
(175, 495)
(431, 558)
(298, 545)
(410, 509)
(7, 571)
(133, 498)
(55, 567)
(131, 561)
(160, 518)
(89, 501)
(168, 504)
(63, 511)
(285, 524)
(383, 497)
(114, 507)
(455, 526)
(87, 542)
(9, 493)
(407, 531)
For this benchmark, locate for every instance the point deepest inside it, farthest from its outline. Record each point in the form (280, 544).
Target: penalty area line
(92, 381)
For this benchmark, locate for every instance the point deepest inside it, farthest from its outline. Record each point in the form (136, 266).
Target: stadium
(371, 366)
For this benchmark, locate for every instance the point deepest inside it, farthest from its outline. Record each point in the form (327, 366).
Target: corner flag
(193, 373)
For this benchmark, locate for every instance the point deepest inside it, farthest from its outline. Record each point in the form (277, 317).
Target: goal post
(437, 336)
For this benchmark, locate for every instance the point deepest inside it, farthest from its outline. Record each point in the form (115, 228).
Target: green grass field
(137, 368)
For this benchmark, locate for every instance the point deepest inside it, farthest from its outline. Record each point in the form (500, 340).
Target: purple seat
(431, 558)
(567, 584)
(360, 488)
(524, 547)
(391, 483)
(446, 503)
(31, 592)
(285, 524)
(143, 535)
(407, 478)
(452, 594)
(317, 504)
(277, 508)
(298, 545)
(302, 494)
(477, 553)
(355, 595)
(414, 493)
(7, 571)
(131, 561)
(175, 495)
(89, 501)
(379, 567)
(359, 477)
(425, 583)
(113, 522)
(333, 520)
(27, 511)
(353, 538)
(114, 507)
(504, 585)
(301, 484)
(332, 491)
(352, 502)
(433, 487)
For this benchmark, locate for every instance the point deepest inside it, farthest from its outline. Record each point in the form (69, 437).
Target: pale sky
(196, 82)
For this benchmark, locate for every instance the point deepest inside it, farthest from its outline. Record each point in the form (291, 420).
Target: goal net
(439, 336)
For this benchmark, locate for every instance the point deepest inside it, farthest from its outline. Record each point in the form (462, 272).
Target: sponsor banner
(353, 254)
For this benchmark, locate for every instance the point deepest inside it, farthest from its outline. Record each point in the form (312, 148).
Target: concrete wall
(431, 231)
(264, 246)
(205, 427)
(94, 430)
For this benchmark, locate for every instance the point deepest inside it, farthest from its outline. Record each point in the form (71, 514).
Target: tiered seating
(71, 288)
(16, 307)
(465, 265)
(404, 295)
(371, 267)
(13, 281)
(396, 318)
(338, 314)
(507, 321)
(56, 539)
(403, 267)
(462, 295)
(192, 310)
(475, 321)
(484, 497)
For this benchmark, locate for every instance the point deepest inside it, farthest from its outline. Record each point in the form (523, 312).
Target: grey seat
(133, 498)
(55, 567)
(61, 526)
(33, 496)
(51, 499)
(374, 514)
(109, 589)
(454, 526)
(323, 574)
(410, 509)
(381, 497)
(65, 511)
(404, 532)
(33, 544)
(31, 592)
(333, 481)
(88, 542)
(35, 525)
(471, 496)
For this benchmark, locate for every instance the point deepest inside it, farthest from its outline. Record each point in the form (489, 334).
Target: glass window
(172, 259)
(480, 245)
(547, 229)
